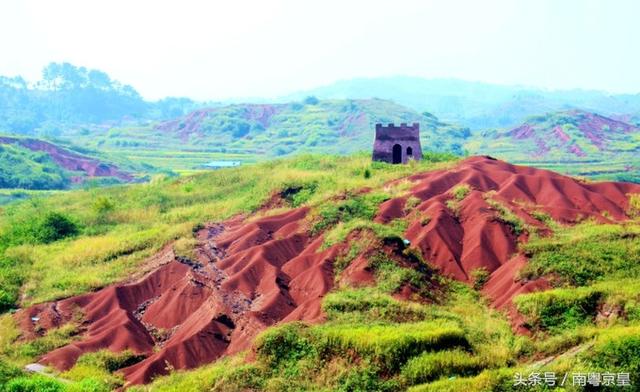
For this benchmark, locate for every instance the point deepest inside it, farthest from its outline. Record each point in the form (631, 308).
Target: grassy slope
(23, 168)
(444, 337)
(620, 149)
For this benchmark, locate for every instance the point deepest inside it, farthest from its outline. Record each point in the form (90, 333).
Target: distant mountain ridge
(475, 104)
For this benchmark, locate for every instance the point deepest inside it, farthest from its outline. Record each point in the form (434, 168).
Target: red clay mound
(458, 237)
(189, 312)
(252, 274)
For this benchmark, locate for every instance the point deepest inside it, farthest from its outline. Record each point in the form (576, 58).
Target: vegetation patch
(560, 308)
(505, 214)
(479, 277)
(582, 254)
(340, 232)
(634, 205)
(352, 207)
(431, 366)
(101, 366)
(391, 345)
(460, 192)
(23, 168)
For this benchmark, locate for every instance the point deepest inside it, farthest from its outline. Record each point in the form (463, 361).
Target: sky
(213, 50)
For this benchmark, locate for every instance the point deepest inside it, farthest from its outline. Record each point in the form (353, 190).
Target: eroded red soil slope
(476, 235)
(251, 274)
(248, 276)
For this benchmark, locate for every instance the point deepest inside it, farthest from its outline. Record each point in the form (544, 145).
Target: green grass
(112, 242)
(581, 254)
(23, 168)
(24, 352)
(595, 267)
(431, 366)
(459, 192)
(505, 214)
(390, 345)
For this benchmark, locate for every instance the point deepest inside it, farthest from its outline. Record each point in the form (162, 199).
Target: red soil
(253, 274)
(477, 237)
(248, 276)
(70, 160)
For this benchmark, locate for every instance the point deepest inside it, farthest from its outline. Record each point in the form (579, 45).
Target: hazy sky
(235, 48)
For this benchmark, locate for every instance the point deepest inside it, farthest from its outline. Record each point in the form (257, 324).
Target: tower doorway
(397, 154)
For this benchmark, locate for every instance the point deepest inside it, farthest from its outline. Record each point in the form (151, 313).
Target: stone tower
(397, 144)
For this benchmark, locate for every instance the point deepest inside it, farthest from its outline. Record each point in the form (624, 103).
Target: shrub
(103, 205)
(479, 277)
(459, 192)
(8, 372)
(297, 194)
(50, 227)
(617, 350)
(8, 298)
(55, 226)
(284, 345)
(364, 378)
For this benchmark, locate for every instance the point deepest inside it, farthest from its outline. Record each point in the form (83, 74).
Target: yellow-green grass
(391, 345)
(588, 252)
(430, 366)
(141, 218)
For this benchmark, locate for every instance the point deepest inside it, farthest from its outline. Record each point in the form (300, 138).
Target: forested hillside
(69, 96)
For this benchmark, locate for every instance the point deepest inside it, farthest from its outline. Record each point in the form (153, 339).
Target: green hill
(249, 132)
(23, 168)
(37, 164)
(574, 142)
